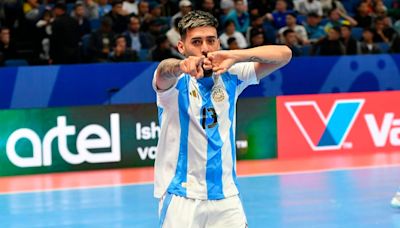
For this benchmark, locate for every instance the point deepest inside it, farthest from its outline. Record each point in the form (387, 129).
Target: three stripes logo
(325, 132)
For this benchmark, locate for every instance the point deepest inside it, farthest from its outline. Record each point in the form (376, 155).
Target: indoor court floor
(342, 191)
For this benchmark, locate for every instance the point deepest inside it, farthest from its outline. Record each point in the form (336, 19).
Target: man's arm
(169, 70)
(167, 73)
(266, 59)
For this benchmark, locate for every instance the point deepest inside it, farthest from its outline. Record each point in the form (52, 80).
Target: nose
(204, 48)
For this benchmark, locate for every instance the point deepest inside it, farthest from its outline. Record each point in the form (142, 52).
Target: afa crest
(218, 94)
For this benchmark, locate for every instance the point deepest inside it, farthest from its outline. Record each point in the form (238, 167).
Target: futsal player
(195, 167)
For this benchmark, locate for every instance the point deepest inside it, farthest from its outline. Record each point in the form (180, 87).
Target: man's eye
(197, 42)
(211, 41)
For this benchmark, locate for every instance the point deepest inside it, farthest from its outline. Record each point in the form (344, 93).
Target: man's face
(257, 40)
(313, 21)
(290, 20)
(333, 34)
(80, 11)
(334, 16)
(208, 5)
(345, 32)
(121, 42)
(5, 36)
(379, 25)
(280, 6)
(144, 7)
(117, 8)
(134, 25)
(291, 38)
(240, 7)
(199, 41)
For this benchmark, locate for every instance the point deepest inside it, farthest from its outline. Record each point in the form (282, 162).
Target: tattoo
(260, 60)
(169, 68)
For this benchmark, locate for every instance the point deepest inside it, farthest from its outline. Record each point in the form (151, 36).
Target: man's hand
(221, 61)
(195, 66)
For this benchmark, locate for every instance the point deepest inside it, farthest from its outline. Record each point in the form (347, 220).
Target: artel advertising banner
(118, 136)
(352, 123)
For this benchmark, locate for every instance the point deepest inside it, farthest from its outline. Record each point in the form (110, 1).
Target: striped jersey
(196, 152)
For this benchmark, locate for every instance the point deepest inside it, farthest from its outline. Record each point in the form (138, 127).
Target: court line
(283, 173)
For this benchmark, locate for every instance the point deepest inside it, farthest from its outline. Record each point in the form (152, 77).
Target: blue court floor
(344, 198)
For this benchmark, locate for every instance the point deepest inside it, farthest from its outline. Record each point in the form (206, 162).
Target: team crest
(218, 94)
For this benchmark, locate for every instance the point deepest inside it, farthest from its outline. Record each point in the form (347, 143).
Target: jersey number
(204, 117)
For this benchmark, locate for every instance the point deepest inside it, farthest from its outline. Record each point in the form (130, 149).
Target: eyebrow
(200, 38)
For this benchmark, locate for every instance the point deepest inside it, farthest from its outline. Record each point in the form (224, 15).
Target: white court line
(320, 170)
(240, 177)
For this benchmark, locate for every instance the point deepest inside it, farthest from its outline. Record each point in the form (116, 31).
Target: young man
(195, 168)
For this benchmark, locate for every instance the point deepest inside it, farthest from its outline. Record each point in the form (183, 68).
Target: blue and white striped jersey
(196, 153)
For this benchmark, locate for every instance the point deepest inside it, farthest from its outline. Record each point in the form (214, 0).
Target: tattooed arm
(266, 59)
(167, 73)
(169, 70)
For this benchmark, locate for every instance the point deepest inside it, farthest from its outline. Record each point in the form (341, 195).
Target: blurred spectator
(168, 8)
(232, 44)
(79, 16)
(157, 27)
(173, 33)
(163, 50)
(330, 45)
(91, 9)
(328, 5)
(363, 16)
(382, 32)
(119, 21)
(278, 17)
(337, 18)
(64, 40)
(44, 31)
(256, 22)
(137, 39)
(348, 41)
(290, 40)
(261, 7)
(300, 31)
(121, 53)
(210, 7)
(226, 7)
(104, 8)
(130, 7)
(306, 7)
(31, 10)
(370, 5)
(230, 31)
(367, 45)
(314, 29)
(7, 47)
(239, 16)
(185, 6)
(100, 41)
(380, 9)
(257, 37)
(144, 15)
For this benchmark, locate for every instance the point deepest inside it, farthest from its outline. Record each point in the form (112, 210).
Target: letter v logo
(325, 132)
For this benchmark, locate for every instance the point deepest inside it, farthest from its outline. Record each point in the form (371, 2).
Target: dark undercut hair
(196, 19)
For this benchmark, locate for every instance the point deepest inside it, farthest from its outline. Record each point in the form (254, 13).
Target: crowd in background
(39, 32)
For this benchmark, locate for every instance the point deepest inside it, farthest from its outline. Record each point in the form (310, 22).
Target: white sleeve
(246, 75)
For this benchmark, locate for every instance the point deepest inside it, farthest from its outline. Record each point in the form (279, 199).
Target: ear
(180, 46)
